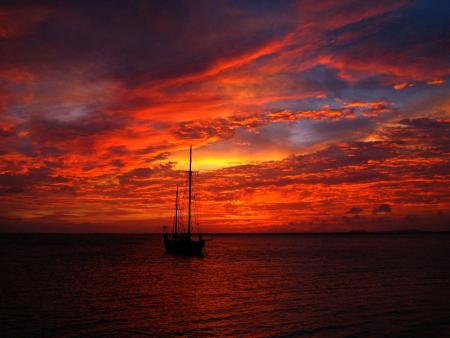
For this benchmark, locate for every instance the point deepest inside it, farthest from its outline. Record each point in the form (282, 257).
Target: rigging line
(196, 215)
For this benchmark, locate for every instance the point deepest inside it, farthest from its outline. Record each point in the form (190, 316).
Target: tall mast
(176, 212)
(190, 191)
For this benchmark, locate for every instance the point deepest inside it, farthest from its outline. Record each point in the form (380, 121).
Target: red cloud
(17, 21)
(407, 169)
(93, 134)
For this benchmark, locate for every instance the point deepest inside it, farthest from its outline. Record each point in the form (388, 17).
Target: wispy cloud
(303, 115)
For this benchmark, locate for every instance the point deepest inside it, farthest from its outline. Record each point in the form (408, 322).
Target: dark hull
(184, 247)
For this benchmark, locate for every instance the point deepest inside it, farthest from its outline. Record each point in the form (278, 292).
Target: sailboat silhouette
(184, 243)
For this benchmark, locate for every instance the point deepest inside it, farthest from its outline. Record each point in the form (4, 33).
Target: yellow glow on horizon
(207, 161)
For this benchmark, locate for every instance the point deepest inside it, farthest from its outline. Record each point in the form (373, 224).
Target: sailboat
(184, 243)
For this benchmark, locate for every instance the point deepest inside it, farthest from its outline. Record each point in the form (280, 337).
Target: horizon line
(385, 232)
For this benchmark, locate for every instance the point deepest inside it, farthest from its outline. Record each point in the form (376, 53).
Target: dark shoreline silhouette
(332, 233)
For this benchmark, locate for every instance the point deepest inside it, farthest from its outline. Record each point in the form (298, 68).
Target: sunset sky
(303, 116)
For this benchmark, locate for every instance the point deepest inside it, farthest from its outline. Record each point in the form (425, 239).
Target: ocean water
(258, 285)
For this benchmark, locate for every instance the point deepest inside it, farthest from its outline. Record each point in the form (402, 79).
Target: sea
(352, 285)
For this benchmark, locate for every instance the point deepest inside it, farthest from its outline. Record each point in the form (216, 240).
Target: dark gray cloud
(382, 208)
(146, 40)
(35, 178)
(355, 210)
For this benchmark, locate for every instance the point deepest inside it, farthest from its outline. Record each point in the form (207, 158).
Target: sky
(304, 116)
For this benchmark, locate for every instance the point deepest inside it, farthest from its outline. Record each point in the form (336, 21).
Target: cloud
(382, 208)
(355, 210)
(34, 178)
(225, 128)
(292, 110)
(16, 21)
(143, 176)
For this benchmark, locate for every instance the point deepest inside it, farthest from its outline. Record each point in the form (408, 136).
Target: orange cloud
(294, 123)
